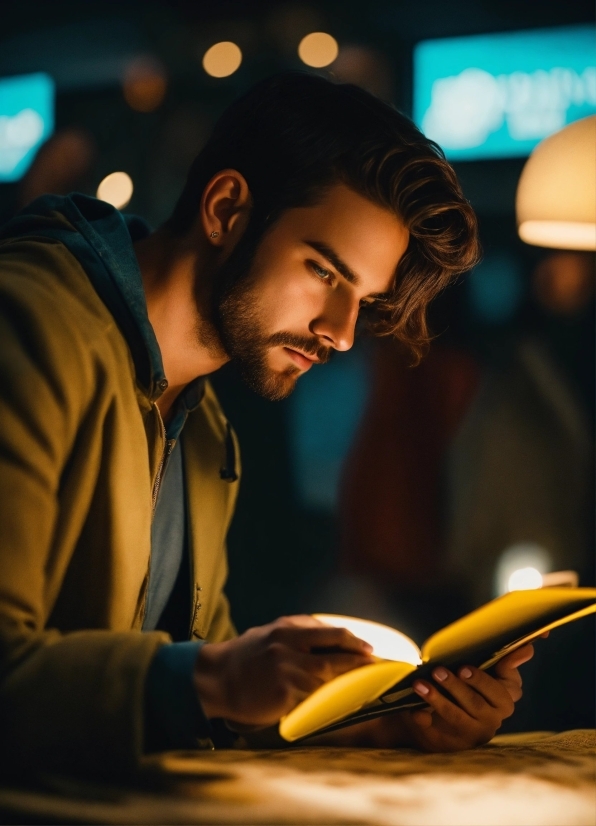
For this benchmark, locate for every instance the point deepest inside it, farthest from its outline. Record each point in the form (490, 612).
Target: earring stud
(214, 234)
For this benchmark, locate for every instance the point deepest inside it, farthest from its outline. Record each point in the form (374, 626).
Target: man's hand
(263, 674)
(480, 704)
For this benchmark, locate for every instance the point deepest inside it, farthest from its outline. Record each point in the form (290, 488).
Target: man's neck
(176, 276)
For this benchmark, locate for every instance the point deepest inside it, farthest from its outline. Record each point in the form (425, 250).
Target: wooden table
(539, 779)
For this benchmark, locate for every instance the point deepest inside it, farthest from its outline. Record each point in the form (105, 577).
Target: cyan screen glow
(26, 121)
(498, 95)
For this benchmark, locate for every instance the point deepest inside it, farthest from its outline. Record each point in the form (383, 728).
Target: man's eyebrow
(329, 253)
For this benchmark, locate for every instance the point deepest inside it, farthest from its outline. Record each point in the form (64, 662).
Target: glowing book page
(508, 615)
(349, 692)
(342, 696)
(482, 636)
(387, 643)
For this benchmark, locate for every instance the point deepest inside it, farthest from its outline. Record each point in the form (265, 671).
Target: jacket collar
(102, 240)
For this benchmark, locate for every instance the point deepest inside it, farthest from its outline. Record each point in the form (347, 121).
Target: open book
(481, 638)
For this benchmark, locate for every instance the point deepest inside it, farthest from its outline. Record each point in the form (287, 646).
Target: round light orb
(116, 189)
(318, 49)
(520, 556)
(556, 197)
(222, 59)
(525, 579)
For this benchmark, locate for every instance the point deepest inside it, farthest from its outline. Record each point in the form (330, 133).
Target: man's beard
(248, 346)
(236, 323)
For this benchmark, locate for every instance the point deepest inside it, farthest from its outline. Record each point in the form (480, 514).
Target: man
(312, 209)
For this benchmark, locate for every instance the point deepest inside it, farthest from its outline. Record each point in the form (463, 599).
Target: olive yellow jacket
(81, 442)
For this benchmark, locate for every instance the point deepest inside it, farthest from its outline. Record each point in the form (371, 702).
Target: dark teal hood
(101, 239)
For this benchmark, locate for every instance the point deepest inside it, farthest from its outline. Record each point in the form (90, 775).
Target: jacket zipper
(169, 446)
(196, 606)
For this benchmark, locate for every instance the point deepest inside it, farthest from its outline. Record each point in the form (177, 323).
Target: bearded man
(314, 209)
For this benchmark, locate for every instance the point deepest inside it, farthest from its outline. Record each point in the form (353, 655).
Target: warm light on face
(318, 49)
(116, 189)
(525, 579)
(222, 59)
(387, 643)
(561, 235)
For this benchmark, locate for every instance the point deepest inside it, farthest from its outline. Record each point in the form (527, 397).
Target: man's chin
(270, 384)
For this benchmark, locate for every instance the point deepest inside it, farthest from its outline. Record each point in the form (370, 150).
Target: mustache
(310, 346)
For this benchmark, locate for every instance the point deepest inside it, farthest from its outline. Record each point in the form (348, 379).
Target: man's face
(310, 275)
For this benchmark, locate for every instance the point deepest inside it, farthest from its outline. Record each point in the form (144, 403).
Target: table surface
(538, 779)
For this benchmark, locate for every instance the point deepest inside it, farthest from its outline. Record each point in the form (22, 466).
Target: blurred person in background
(312, 209)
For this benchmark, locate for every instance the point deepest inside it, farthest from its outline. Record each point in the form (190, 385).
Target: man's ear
(225, 208)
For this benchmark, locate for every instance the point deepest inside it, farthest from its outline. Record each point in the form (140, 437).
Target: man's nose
(337, 323)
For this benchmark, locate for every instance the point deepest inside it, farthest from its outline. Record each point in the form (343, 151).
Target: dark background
(282, 547)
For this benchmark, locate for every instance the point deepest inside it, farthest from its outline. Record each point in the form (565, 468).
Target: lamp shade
(556, 194)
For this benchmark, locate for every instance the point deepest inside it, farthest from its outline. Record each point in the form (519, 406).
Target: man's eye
(322, 273)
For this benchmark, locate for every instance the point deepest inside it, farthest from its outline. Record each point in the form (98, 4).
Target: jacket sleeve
(68, 702)
(174, 718)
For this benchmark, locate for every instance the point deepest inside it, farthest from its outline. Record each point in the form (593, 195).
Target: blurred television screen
(498, 95)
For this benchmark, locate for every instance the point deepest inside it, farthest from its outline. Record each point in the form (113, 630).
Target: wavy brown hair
(295, 135)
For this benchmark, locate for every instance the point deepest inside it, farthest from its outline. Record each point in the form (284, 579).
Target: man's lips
(304, 362)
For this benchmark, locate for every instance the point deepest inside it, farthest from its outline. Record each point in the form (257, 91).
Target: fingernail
(466, 673)
(367, 647)
(421, 688)
(440, 674)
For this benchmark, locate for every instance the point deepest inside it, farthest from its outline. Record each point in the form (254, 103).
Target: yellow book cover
(480, 638)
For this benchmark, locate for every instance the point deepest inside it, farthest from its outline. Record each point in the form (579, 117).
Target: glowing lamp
(556, 194)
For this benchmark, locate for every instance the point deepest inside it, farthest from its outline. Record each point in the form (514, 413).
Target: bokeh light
(515, 565)
(564, 282)
(524, 579)
(318, 49)
(116, 189)
(144, 85)
(222, 59)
